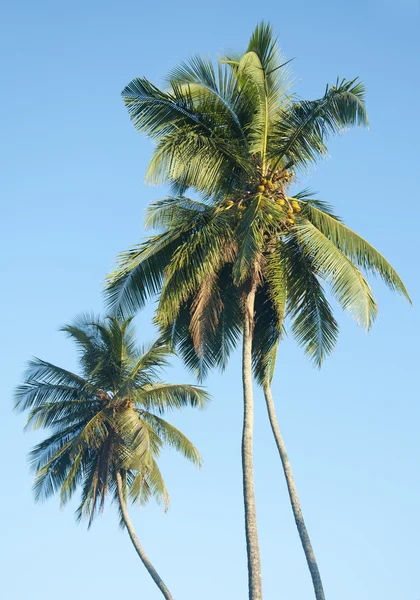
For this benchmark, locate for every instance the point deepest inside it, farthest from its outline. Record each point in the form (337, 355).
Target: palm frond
(171, 436)
(166, 396)
(268, 330)
(301, 131)
(147, 484)
(139, 274)
(347, 283)
(355, 248)
(313, 324)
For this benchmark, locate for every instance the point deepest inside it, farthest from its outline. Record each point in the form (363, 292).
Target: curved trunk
(294, 500)
(139, 549)
(253, 551)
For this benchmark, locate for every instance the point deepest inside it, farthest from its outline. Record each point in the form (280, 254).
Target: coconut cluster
(272, 186)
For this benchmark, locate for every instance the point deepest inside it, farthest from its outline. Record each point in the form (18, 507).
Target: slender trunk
(253, 551)
(139, 549)
(294, 500)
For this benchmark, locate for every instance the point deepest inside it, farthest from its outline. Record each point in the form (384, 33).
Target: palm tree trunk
(294, 500)
(253, 551)
(139, 549)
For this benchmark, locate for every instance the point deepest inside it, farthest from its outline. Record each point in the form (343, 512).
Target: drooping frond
(207, 163)
(172, 436)
(139, 273)
(218, 342)
(347, 283)
(313, 324)
(268, 330)
(356, 248)
(202, 253)
(205, 311)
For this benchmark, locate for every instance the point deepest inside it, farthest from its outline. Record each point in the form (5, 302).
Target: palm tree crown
(238, 136)
(106, 420)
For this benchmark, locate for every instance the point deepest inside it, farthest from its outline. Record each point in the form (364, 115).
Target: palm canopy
(221, 129)
(237, 135)
(105, 420)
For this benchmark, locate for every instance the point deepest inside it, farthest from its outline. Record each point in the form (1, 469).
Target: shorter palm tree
(106, 425)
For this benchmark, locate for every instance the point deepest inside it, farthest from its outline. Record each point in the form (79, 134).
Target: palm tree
(247, 253)
(107, 432)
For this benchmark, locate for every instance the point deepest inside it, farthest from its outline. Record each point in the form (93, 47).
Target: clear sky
(73, 196)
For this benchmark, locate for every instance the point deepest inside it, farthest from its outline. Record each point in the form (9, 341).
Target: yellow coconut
(261, 188)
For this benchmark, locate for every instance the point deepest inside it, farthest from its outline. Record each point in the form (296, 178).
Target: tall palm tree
(247, 252)
(106, 428)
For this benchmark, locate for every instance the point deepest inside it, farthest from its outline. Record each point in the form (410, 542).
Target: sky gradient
(73, 196)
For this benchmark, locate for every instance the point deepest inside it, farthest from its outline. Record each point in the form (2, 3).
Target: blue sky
(73, 196)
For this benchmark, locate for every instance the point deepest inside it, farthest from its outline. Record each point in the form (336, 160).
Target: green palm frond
(171, 436)
(148, 362)
(347, 283)
(49, 414)
(250, 234)
(156, 112)
(136, 437)
(355, 248)
(166, 396)
(313, 324)
(301, 131)
(34, 394)
(192, 261)
(216, 89)
(268, 330)
(28, 395)
(149, 484)
(208, 163)
(140, 270)
(180, 210)
(42, 453)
